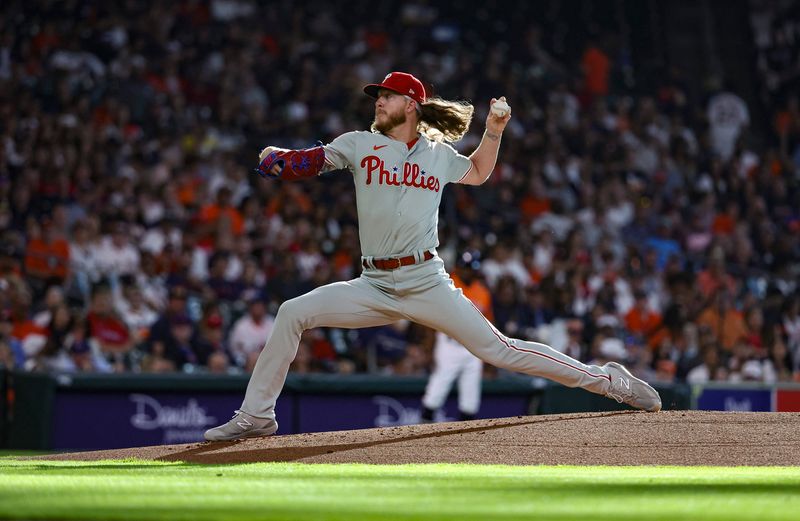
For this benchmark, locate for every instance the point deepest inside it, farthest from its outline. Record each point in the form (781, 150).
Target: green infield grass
(132, 489)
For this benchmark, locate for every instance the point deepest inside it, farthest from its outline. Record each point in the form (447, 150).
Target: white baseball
(500, 108)
(267, 151)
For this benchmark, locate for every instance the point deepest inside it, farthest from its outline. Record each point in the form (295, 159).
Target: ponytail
(443, 120)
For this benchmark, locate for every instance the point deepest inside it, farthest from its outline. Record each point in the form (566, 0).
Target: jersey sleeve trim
(471, 166)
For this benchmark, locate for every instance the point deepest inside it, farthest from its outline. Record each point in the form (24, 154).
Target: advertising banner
(735, 399)
(86, 421)
(316, 413)
(108, 420)
(787, 400)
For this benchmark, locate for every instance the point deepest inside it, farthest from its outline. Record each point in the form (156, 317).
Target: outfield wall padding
(90, 411)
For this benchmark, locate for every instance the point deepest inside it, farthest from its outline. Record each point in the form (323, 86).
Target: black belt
(396, 262)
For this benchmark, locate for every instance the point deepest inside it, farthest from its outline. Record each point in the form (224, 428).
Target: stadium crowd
(630, 221)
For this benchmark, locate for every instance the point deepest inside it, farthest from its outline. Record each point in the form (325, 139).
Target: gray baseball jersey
(398, 190)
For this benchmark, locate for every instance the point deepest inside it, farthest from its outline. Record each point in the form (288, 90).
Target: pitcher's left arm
(484, 157)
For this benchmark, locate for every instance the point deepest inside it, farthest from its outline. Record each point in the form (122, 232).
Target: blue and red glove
(292, 164)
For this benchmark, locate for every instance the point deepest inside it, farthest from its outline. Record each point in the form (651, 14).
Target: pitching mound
(611, 438)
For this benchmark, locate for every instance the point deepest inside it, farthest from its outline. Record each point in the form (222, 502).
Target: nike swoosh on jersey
(378, 147)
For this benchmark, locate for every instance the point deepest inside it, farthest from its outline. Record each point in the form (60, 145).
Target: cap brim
(372, 89)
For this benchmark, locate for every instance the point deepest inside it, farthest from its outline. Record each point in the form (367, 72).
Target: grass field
(132, 489)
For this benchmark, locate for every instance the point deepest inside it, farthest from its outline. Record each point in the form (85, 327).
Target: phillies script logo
(411, 176)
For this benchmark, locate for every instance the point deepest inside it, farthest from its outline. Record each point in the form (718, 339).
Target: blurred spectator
(84, 268)
(640, 319)
(250, 362)
(134, 311)
(609, 349)
(467, 277)
(386, 346)
(710, 369)
(250, 332)
(506, 308)
(416, 362)
(663, 243)
(13, 354)
(252, 279)
(727, 116)
(536, 312)
(220, 219)
(723, 320)
(46, 256)
(85, 354)
(107, 328)
(181, 348)
(324, 356)
(754, 322)
(151, 283)
(165, 233)
(503, 261)
(212, 348)
(218, 363)
(596, 68)
(575, 345)
(32, 336)
(714, 277)
(223, 288)
(778, 366)
(790, 320)
(640, 361)
(743, 364)
(303, 362)
(156, 362)
(161, 330)
(116, 255)
(53, 354)
(53, 299)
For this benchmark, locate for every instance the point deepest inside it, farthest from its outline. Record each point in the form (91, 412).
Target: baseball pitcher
(400, 169)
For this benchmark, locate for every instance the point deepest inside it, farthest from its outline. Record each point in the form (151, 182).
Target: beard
(392, 120)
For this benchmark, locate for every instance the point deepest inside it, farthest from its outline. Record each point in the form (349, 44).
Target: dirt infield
(611, 438)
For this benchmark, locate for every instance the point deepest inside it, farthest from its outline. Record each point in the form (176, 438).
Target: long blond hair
(443, 120)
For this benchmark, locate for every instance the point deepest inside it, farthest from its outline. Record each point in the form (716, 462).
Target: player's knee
(291, 311)
(490, 354)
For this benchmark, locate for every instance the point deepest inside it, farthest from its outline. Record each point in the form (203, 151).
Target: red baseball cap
(214, 321)
(400, 82)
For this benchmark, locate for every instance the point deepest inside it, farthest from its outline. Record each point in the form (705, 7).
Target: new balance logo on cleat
(626, 388)
(244, 424)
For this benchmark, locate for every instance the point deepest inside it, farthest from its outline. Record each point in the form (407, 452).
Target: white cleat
(242, 425)
(626, 388)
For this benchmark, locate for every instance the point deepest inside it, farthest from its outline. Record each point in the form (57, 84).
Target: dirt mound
(611, 438)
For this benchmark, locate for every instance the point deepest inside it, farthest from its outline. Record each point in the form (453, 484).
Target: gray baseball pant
(422, 293)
